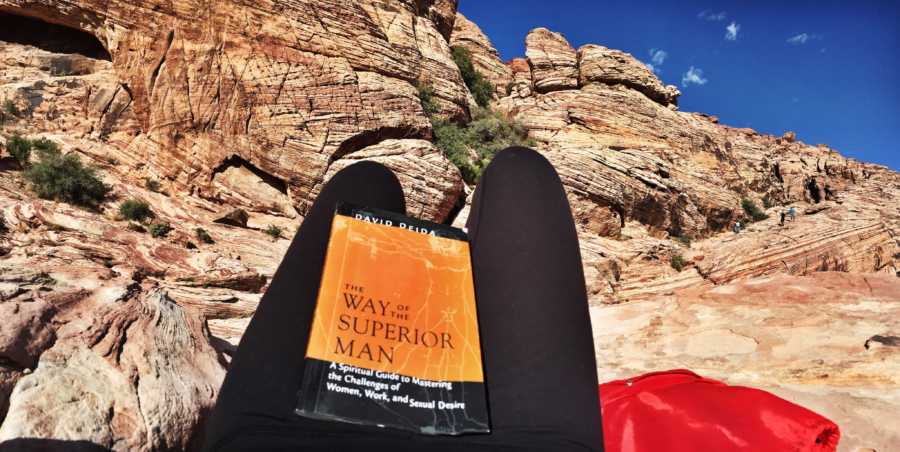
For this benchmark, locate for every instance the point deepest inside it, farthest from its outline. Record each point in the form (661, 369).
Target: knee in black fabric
(366, 182)
(372, 172)
(521, 162)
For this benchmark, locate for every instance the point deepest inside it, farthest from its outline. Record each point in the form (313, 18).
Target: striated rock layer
(276, 90)
(230, 117)
(485, 58)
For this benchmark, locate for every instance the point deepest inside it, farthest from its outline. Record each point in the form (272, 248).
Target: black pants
(536, 337)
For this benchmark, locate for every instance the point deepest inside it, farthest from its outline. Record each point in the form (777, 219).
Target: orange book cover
(394, 340)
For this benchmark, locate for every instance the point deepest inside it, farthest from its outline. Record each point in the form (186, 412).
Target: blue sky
(828, 70)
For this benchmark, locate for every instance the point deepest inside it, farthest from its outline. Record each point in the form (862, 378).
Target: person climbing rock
(737, 227)
(782, 215)
(792, 212)
(539, 364)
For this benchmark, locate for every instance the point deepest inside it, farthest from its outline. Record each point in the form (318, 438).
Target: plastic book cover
(394, 340)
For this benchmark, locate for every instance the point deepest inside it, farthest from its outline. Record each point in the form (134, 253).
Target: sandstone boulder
(598, 64)
(431, 184)
(233, 217)
(139, 377)
(554, 63)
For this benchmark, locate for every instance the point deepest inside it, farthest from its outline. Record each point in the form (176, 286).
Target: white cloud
(658, 56)
(711, 16)
(693, 75)
(731, 31)
(802, 38)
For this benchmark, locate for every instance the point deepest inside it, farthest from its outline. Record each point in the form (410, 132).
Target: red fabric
(680, 411)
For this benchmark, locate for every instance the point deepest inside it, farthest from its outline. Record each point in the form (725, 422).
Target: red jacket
(680, 411)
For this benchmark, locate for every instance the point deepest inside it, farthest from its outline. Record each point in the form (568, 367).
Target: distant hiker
(782, 217)
(737, 227)
(792, 212)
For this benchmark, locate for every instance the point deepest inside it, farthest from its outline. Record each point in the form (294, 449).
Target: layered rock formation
(485, 58)
(637, 169)
(275, 90)
(244, 111)
(552, 59)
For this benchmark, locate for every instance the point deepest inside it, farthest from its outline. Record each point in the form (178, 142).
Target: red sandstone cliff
(252, 106)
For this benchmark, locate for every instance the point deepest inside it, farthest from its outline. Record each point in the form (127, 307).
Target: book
(394, 340)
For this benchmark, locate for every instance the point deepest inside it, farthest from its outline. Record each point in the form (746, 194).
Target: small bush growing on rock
(151, 184)
(64, 178)
(481, 89)
(19, 148)
(204, 236)
(472, 146)
(678, 262)
(136, 210)
(43, 144)
(752, 210)
(10, 109)
(685, 240)
(426, 97)
(274, 231)
(3, 228)
(159, 229)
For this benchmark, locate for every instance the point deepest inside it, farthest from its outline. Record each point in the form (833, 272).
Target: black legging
(538, 352)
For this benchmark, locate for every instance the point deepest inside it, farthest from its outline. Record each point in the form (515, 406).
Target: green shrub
(134, 209)
(685, 240)
(509, 87)
(10, 109)
(274, 231)
(472, 146)
(204, 236)
(482, 90)
(678, 262)
(160, 229)
(426, 97)
(19, 148)
(752, 210)
(151, 184)
(43, 144)
(64, 178)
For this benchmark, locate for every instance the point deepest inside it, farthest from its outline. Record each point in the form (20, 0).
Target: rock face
(554, 64)
(597, 64)
(139, 375)
(431, 184)
(640, 174)
(271, 98)
(230, 120)
(485, 58)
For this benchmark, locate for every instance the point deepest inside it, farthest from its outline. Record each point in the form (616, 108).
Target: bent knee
(522, 164)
